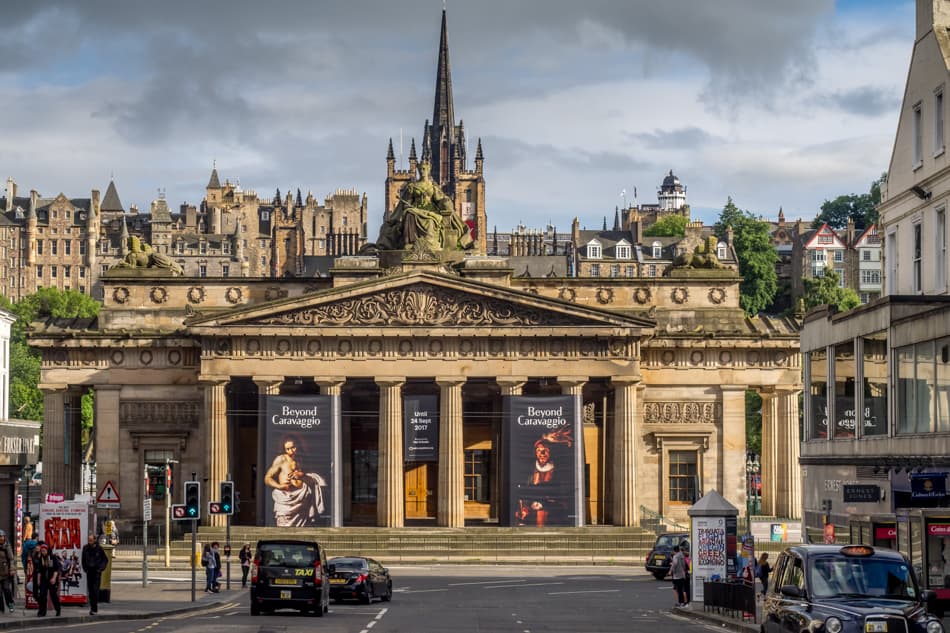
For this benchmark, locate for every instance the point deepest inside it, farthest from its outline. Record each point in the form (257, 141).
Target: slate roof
(111, 202)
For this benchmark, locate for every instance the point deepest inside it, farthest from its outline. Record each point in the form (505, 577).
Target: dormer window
(623, 250)
(265, 216)
(721, 250)
(657, 250)
(594, 250)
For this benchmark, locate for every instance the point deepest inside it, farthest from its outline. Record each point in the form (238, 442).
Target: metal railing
(733, 598)
(659, 524)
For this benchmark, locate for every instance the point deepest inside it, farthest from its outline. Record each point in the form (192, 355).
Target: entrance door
(421, 482)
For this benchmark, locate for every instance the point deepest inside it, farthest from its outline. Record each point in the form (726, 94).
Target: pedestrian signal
(193, 499)
(227, 497)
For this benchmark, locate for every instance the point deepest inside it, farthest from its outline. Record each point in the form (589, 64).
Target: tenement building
(877, 411)
(423, 381)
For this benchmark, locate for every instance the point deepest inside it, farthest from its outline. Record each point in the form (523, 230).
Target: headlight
(934, 626)
(833, 625)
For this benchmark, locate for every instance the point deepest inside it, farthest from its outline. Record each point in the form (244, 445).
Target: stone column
(511, 385)
(266, 386)
(54, 439)
(106, 432)
(625, 511)
(333, 387)
(574, 386)
(451, 512)
(391, 477)
(770, 451)
(787, 468)
(216, 434)
(732, 446)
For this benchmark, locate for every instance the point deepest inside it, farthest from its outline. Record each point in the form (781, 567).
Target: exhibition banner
(64, 527)
(296, 487)
(541, 473)
(420, 428)
(709, 553)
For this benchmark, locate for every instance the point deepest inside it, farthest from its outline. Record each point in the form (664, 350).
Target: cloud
(866, 101)
(682, 137)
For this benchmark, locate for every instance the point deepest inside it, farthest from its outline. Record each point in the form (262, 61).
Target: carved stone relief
(681, 412)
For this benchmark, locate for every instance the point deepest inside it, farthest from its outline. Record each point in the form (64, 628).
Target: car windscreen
(668, 541)
(860, 577)
(348, 564)
(288, 554)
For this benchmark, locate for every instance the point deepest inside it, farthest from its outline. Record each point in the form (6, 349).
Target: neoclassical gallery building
(182, 368)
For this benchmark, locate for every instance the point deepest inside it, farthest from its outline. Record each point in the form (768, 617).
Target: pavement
(129, 601)
(696, 612)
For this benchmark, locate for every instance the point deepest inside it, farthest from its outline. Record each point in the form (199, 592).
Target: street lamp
(28, 470)
(752, 468)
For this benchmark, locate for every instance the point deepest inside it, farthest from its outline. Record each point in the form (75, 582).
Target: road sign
(147, 510)
(180, 512)
(109, 497)
(214, 507)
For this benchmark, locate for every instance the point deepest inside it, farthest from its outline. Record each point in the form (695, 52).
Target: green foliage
(753, 421)
(668, 226)
(26, 400)
(862, 208)
(756, 254)
(826, 291)
(88, 411)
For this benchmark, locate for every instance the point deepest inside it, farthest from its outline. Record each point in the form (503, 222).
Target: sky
(770, 102)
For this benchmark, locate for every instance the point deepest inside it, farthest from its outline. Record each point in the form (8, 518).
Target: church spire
(443, 113)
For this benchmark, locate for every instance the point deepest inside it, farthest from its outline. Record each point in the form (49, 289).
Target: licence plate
(875, 627)
(338, 581)
(659, 558)
(285, 581)
(285, 594)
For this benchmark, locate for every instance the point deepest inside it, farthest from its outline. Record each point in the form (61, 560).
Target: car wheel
(255, 608)
(367, 597)
(659, 575)
(389, 593)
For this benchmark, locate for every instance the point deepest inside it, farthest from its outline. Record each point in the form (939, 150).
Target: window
(628, 271)
(39, 272)
(915, 386)
(54, 247)
(226, 247)
(871, 277)
(657, 250)
(844, 390)
(181, 247)
(265, 216)
(940, 251)
(623, 251)
(594, 250)
(721, 250)
(683, 476)
(225, 270)
(866, 255)
(477, 472)
(615, 270)
(39, 247)
(203, 247)
(67, 271)
(652, 270)
(825, 238)
(202, 270)
(344, 220)
(263, 262)
(938, 122)
(104, 246)
(839, 256)
(892, 269)
(82, 272)
(841, 277)
(818, 392)
(918, 137)
(793, 574)
(595, 270)
(103, 269)
(67, 247)
(875, 384)
(364, 475)
(918, 241)
(82, 247)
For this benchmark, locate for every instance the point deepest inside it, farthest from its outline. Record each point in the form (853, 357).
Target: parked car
(359, 578)
(846, 589)
(659, 559)
(287, 574)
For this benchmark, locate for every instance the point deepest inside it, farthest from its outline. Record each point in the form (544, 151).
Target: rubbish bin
(105, 582)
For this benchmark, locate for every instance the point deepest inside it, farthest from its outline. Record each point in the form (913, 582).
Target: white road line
(381, 614)
(564, 593)
(483, 582)
(534, 584)
(426, 590)
(371, 624)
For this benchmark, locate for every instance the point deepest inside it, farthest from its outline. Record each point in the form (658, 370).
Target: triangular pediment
(426, 300)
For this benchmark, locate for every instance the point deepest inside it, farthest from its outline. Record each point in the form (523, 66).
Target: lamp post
(752, 468)
(28, 470)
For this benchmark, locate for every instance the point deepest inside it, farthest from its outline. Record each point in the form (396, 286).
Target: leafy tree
(862, 208)
(756, 254)
(667, 226)
(753, 421)
(826, 290)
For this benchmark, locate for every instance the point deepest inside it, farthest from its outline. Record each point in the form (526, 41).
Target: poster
(542, 486)
(64, 527)
(420, 428)
(296, 483)
(709, 552)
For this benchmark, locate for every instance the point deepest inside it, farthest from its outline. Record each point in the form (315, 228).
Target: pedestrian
(211, 561)
(245, 556)
(678, 574)
(28, 546)
(94, 562)
(46, 568)
(7, 572)
(27, 528)
(762, 571)
(687, 585)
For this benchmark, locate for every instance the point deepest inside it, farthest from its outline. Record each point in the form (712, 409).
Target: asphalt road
(462, 599)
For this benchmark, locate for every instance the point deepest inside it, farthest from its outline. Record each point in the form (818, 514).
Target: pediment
(419, 300)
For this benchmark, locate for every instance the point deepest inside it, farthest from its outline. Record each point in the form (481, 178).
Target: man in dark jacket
(94, 562)
(46, 569)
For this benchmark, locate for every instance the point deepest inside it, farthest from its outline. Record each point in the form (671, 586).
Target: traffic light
(193, 499)
(227, 497)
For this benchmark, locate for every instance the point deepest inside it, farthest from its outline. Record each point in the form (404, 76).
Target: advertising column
(541, 474)
(298, 453)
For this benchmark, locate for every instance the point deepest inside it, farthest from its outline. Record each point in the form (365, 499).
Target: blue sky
(774, 103)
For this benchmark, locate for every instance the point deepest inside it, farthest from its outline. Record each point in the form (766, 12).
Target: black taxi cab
(289, 574)
(845, 589)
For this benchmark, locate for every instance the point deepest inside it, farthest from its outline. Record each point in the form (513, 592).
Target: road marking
(483, 582)
(534, 584)
(380, 615)
(371, 624)
(426, 590)
(564, 593)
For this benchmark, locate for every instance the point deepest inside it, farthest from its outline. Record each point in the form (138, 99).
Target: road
(460, 599)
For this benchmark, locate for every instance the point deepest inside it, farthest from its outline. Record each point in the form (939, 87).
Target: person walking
(678, 574)
(46, 569)
(94, 562)
(762, 571)
(245, 556)
(7, 573)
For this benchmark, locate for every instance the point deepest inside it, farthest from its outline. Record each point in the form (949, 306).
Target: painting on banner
(64, 527)
(542, 466)
(296, 486)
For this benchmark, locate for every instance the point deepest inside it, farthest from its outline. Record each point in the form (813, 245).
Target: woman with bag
(245, 556)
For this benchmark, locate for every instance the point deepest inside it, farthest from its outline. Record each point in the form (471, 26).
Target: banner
(539, 436)
(296, 486)
(420, 428)
(64, 527)
(928, 486)
(709, 552)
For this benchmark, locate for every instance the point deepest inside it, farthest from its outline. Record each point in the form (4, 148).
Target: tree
(756, 254)
(827, 290)
(753, 421)
(862, 208)
(667, 226)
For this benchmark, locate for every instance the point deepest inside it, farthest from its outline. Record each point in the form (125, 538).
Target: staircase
(575, 546)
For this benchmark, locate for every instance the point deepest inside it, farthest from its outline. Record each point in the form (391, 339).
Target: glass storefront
(915, 387)
(818, 391)
(874, 418)
(844, 372)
